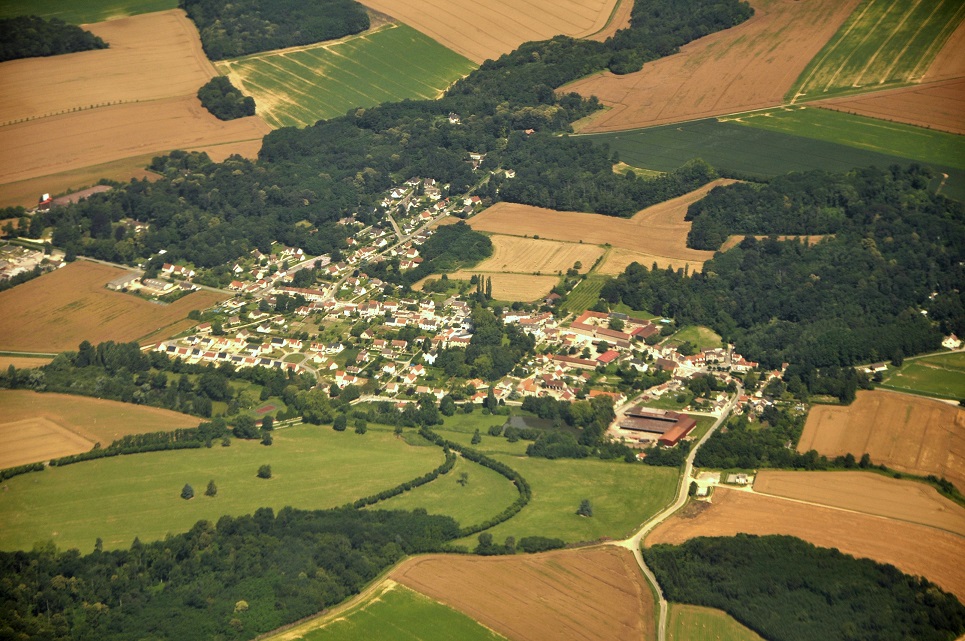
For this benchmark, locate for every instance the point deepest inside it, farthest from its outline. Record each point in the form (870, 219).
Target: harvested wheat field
(950, 62)
(513, 254)
(937, 105)
(914, 549)
(746, 67)
(38, 427)
(734, 241)
(59, 310)
(907, 433)
(25, 192)
(22, 362)
(512, 287)
(486, 29)
(578, 595)
(869, 493)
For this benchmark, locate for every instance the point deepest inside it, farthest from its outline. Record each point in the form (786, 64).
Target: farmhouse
(667, 425)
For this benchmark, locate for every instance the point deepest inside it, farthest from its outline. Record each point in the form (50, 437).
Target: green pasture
(585, 294)
(399, 614)
(695, 623)
(892, 138)
(84, 12)
(298, 87)
(122, 497)
(942, 375)
(700, 337)
(883, 43)
(733, 147)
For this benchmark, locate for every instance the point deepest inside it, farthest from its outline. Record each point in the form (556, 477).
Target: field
(390, 612)
(59, 310)
(746, 67)
(133, 99)
(884, 42)
(585, 294)
(700, 337)
(123, 497)
(906, 433)
(896, 139)
(750, 150)
(83, 12)
(868, 493)
(512, 254)
(596, 594)
(915, 549)
(512, 287)
(297, 87)
(489, 28)
(938, 105)
(25, 192)
(22, 362)
(942, 375)
(694, 623)
(38, 427)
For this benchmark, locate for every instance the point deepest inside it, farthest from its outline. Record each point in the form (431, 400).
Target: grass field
(751, 150)
(139, 495)
(585, 294)
(700, 337)
(942, 375)
(392, 612)
(896, 139)
(884, 43)
(83, 12)
(300, 86)
(695, 623)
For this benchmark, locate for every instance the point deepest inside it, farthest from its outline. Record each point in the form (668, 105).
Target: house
(951, 342)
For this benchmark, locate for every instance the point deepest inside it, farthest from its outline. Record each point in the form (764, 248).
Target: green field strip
(85, 12)
(350, 71)
(297, 87)
(391, 68)
(339, 85)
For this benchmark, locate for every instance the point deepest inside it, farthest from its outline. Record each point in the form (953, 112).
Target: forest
(33, 37)
(241, 27)
(766, 582)
(224, 100)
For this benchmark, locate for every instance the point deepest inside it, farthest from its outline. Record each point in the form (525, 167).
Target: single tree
(341, 422)
(361, 426)
(187, 492)
(268, 423)
(212, 489)
(585, 508)
(264, 472)
(463, 479)
(476, 437)
(266, 437)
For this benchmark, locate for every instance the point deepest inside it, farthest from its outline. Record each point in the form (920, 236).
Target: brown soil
(949, 63)
(914, 549)
(906, 433)
(869, 493)
(937, 105)
(750, 66)
(57, 311)
(484, 29)
(578, 595)
(38, 427)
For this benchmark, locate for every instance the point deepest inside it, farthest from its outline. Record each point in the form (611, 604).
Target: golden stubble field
(63, 113)
(746, 67)
(484, 29)
(915, 549)
(907, 433)
(59, 310)
(38, 427)
(595, 594)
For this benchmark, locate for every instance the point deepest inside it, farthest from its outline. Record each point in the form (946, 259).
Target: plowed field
(572, 595)
(938, 105)
(746, 67)
(484, 29)
(915, 549)
(869, 493)
(906, 433)
(38, 427)
(59, 310)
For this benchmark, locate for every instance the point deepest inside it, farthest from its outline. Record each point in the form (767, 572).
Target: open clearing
(696, 623)
(64, 113)
(122, 497)
(484, 29)
(571, 595)
(939, 105)
(389, 612)
(915, 549)
(883, 43)
(906, 433)
(869, 493)
(38, 427)
(59, 310)
(746, 67)
(299, 86)
(941, 375)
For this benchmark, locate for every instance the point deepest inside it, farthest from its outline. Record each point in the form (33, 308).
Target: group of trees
(32, 36)
(224, 100)
(494, 349)
(240, 27)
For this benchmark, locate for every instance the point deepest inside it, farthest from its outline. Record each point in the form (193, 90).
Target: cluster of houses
(16, 260)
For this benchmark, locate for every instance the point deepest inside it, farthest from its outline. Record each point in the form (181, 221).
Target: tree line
(33, 37)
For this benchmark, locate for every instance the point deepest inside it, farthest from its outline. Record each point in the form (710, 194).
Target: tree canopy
(32, 37)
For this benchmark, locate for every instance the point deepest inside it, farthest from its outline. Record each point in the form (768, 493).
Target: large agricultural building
(666, 426)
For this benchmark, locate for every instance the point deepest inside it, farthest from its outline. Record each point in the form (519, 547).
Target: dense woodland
(788, 590)
(224, 100)
(239, 27)
(33, 37)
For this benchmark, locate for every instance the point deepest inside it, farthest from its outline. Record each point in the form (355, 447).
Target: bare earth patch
(914, 549)
(937, 105)
(38, 427)
(750, 66)
(570, 595)
(57, 311)
(484, 29)
(907, 433)
(869, 493)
